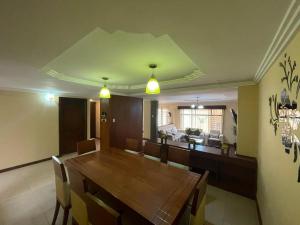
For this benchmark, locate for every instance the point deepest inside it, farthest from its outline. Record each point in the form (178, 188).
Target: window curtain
(205, 119)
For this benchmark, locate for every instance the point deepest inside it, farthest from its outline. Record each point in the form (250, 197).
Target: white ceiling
(224, 42)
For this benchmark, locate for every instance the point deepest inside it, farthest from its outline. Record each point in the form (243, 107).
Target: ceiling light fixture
(197, 106)
(152, 87)
(104, 92)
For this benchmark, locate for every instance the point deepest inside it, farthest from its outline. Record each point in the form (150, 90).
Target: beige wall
(227, 123)
(278, 191)
(247, 120)
(28, 128)
(146, 118)
(97, 111)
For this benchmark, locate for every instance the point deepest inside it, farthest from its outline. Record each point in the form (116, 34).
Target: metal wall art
(284, 112)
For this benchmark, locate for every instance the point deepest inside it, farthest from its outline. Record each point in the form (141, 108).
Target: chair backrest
(152, 149)
(79, 208)
(86, 146)
(99, 213)
(61, 182)
(178, 155)
(132, 144)
(199, 193)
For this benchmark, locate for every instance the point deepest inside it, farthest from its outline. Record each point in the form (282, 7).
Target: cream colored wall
(278, 191)
(247, 120)
(146, 118)
(227, 123)
(28, 128)
(97, 111)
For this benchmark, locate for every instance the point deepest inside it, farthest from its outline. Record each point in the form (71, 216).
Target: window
(205, 119)
(163, 117)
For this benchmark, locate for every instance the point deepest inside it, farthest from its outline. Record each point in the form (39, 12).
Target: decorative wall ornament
(284, 112)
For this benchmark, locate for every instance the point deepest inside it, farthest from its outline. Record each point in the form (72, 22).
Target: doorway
(72, 123)
(95, 119)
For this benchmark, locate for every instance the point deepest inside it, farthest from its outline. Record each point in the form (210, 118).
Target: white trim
(192, 89)
(284, 33)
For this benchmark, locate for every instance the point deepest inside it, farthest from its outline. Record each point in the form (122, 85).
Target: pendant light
(193, 106)
(152, 87)
(104, 92)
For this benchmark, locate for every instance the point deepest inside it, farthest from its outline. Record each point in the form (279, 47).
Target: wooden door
(72, 123)
(126, 120)
(93, 119)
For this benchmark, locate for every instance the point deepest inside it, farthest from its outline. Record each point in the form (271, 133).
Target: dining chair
(77, 192)
(178, 157)
(100, 213)
(151, 151)
(86, 146)
(62, 190)
(197, 216)
(132, 146)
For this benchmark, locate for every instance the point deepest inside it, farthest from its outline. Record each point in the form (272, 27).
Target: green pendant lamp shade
(104, 92)
(152, 87)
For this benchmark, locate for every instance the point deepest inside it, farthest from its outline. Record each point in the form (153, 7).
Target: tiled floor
(27, 197)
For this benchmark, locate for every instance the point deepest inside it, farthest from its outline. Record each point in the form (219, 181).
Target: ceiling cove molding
(196, 74)
(191, 90)
(287, 28)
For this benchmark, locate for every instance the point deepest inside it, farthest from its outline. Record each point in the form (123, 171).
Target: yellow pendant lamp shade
(104, 92)
(152, 87)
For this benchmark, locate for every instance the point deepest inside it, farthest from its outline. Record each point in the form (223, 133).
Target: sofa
(172, 132)
(215, 138)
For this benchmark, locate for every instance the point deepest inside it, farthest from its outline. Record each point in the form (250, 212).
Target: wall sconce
(50, 99)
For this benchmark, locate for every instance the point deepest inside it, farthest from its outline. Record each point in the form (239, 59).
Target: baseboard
(26, 164)
(258, 213)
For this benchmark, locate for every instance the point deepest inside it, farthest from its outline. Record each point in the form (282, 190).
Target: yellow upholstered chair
(62, 190)
(197, 216)
(79, 208)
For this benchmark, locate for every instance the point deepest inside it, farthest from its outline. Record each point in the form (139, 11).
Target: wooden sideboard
(231, 172)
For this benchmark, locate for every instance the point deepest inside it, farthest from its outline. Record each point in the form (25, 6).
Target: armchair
(215, 138)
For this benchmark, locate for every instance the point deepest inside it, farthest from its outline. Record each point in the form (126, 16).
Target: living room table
(155, 191)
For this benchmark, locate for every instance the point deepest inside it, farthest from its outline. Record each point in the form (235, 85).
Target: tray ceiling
(124, 58)
(66, 47)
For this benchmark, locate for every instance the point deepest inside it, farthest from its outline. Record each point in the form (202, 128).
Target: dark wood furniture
(62, 191)
(72, 123)
(152, 149)
(132, 144)
(228, 171)
(178, 155)
(151, 191)
(86, 146)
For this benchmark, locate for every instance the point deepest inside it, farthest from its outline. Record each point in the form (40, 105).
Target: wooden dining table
(155, 191)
